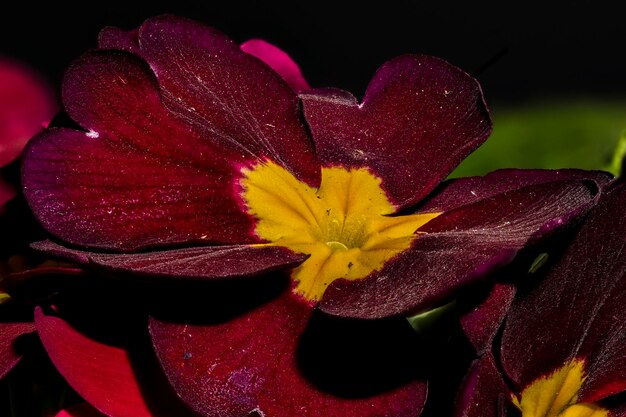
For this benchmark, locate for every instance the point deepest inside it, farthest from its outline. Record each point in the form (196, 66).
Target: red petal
(80, 410)
(259, 361)
(420, 117)
(481, 324)
(115, 38)
(26, 106)
(207, 262)
(484, 392)
(278, 60)
(577, 311)
(228, 95)
(102, 374)
(10, 355)
(460, 247)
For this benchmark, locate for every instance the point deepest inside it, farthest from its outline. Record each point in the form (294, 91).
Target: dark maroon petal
(115, 38)
(206, 262)
(104, 374)
(80, 410)
(457, 192)
(484, 392)
(420, 117)
(460, 247)
(259, 361)
(89, 192)
(27, 105)
(229, 96)
(577, 311)
(481, 324)
(278, 60)
(9, 354)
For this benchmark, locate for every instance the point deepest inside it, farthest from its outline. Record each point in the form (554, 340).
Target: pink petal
(278, 60)
(26, 105)
(271, 361)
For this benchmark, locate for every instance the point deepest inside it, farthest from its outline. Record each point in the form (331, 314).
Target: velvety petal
(460, 247)
(481, 323)
(27, 105)
(484, 392)
(205, 262)
(278, 60)
(460, 191)
(98, 192)
(115, 38)
(229, 96)
(10, 355)
(268, 360)
(80, 410)
(420, 117)
(577, 311)
(102, 374)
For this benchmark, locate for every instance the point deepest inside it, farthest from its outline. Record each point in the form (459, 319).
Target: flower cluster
(250, 244)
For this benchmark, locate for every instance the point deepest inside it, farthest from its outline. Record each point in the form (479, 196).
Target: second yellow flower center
(344, 225)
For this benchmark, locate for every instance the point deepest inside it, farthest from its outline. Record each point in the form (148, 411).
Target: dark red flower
(199, 162)
(562, 352)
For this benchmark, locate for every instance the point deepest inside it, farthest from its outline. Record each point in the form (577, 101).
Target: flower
(562, 347)
(198, 162)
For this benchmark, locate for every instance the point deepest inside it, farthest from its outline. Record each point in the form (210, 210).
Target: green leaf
(572, 134)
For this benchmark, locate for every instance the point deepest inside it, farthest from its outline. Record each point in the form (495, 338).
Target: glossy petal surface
(9, 351)
(103, 374)
(208, 262)
(420, 117)
(459, 247)
(278, 60)
(577, 311)
(270, 360)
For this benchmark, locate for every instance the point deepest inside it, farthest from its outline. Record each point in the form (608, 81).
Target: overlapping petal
(461, 246)
(105, 374)
(574, 314)
(204, 262)
(577, 311)
(275, 360)
(420, 117)
(10, 354)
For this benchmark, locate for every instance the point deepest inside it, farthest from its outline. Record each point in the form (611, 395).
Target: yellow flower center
(344, 225)
(556, 395)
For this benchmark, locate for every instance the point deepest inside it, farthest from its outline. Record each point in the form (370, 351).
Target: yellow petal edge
(556, 395)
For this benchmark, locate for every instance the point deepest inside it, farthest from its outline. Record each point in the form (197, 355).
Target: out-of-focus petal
(102, 374)
(268, 360)
(228, 95)
(278, 60)
(80, 410)
(577, 311)
(460, 247)
(27, 105)
(205, 262)
(10, 355)
(419, 119)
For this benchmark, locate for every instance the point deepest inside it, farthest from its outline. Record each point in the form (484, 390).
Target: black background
(518, 50)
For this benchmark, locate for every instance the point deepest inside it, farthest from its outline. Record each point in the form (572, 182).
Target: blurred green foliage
(560, 134)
